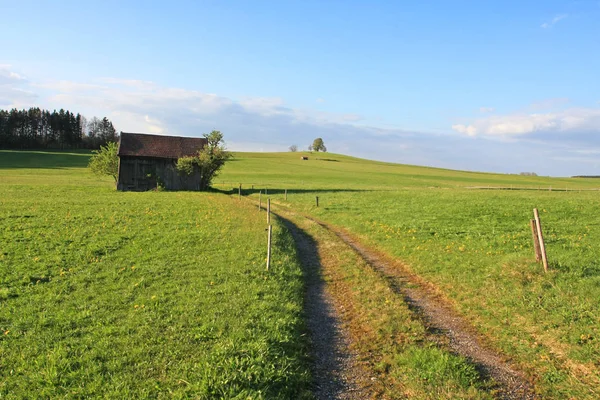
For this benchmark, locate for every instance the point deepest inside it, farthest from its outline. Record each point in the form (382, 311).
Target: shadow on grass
(281, 192)
(51, 159)
(327, 159)
(585, 270)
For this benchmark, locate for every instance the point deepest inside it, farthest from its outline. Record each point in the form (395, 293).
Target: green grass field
(141, 295)
(474, 245)
(109, 294)
(328, 172)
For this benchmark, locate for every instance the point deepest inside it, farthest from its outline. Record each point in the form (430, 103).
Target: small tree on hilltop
(210, 159)
(293, 148)
(318, 145)
(105, 161)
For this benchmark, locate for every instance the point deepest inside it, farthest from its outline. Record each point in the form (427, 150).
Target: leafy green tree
(210, 159)
(105, 161)
(318, 145)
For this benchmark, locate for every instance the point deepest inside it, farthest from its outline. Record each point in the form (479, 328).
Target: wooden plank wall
(142, 173)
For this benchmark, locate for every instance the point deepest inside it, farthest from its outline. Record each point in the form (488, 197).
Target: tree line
(41, 129)
(317, 145)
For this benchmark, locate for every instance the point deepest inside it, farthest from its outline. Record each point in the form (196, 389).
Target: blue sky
(504, 86)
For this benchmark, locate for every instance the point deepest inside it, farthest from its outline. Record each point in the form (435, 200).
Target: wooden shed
(146, 161)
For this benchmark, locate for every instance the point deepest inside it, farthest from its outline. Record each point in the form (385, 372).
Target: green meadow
(327, 171)
(165, 294)
(474, 245)
(141, 295)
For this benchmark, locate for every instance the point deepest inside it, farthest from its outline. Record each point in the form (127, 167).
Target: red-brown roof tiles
(144, 145)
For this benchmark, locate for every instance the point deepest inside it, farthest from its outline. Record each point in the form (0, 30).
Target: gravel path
(336, 371)
(441, 319)
(335, 368)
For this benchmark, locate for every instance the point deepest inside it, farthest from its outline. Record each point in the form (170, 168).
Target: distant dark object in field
(327, 159)
(528, 174)
(147, 160)
(304, 158)
(586, 176)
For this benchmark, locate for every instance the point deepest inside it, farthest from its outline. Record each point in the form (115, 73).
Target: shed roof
(158, 146)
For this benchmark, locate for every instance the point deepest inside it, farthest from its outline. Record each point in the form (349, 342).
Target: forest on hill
(41, 129)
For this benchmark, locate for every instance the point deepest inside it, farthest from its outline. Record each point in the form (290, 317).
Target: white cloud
(268, 124)
(553, 21)
(466, 129)
(265, 105)
(9, 77)
(484, 110)
(13, 92)
(569, 121)
(154, 125)
(142, 106)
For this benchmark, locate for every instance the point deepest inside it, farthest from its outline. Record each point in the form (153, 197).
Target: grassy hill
(334, 171)
(474, 246)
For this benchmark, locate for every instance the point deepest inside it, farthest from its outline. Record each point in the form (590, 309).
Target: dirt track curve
(336, 371)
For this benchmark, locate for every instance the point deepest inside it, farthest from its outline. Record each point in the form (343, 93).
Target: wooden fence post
(269, 248)
(240, 191)
(285, 194)
(536, 241)
(259, 200)
(317, 199)
(541, 239)
(268, 211)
